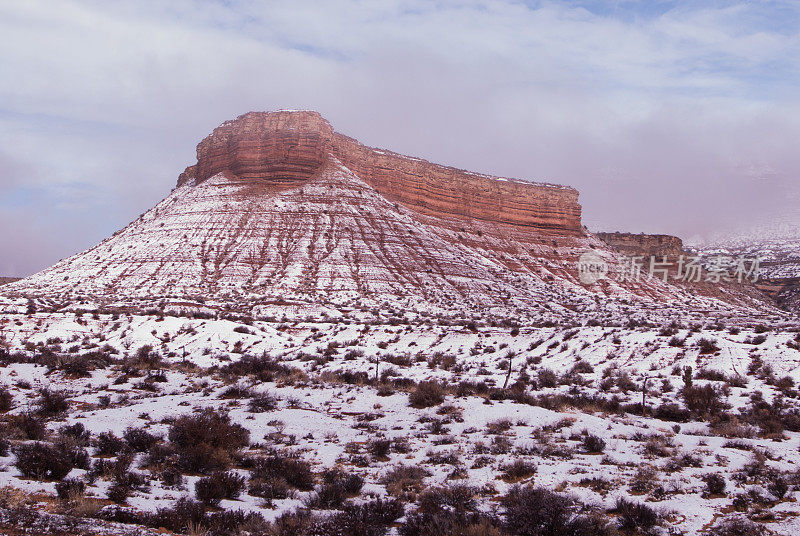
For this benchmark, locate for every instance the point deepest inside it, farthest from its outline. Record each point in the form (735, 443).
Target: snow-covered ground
(564, 385)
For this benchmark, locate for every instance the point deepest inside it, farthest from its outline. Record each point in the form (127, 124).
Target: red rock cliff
(288, 148)
(644, 245)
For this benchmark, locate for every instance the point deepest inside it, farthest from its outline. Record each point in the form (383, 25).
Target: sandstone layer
(644, 245)
(287, 149)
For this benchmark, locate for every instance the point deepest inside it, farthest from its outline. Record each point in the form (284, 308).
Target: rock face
(287, 149)
(644, 245)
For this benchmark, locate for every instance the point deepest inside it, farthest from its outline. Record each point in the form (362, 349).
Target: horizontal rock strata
(644, 245)
(286, 149)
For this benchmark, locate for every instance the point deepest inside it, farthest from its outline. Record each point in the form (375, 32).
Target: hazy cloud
(673, 117)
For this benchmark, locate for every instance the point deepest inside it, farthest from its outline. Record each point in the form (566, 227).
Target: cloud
(670, 117)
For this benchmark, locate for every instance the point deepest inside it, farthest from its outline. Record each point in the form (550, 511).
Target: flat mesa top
(312, 122)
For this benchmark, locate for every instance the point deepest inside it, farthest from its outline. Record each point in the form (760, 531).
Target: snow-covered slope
(336, 241)
(777, 245)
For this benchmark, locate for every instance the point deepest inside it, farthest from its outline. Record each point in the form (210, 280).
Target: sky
(675, 117)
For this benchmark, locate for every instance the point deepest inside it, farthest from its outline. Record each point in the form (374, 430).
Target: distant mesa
(287, 149)
(644, 245)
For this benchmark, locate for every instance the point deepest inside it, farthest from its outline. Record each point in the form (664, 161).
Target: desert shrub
(426, 394)
(160, 454)
(295, 472)
(210, 490)
(270, 488)
(139, 439)
(711, 374)
(457, 498)
(379, 448)
(447, 510)
(703, 401)
(467, 388)
(644, 479)
(404, 481)
(70, 488)
(30, 426)
(52, 403)
(183, 515)
(446, 522)
(707, 346)
(337, 486)
(170, 476)
(770, 418)
(262, 402)
(80, 366)
(518, 470)
(582, 367)
(42, 461)
(715, 483)
(235, 523)
(205, 441)
(6, 399)
(737, 526)
(125, 481)
(77, 455)
(264, 368)
(367, 519)
(546, 378)
(145, 357)
(118, 492)
(108, 444)
(76, 432)
(533, 511)
(499, 426)
(669, 411)
(593, 444)
(676, 341)
(743, 501)
(778, 486)
(236, 391)
(635, 517)
(679, 461)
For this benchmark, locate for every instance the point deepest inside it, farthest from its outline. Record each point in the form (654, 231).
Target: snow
(321, 419)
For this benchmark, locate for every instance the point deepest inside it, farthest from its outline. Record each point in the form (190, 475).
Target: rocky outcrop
(286, 149)
(7, 280)
(644, 245)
